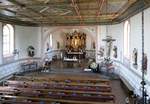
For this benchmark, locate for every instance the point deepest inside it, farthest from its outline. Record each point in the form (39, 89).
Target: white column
(97, 42)
(1, 44)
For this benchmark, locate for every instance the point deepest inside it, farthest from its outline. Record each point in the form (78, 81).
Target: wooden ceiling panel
(88, 5)
(69, 12)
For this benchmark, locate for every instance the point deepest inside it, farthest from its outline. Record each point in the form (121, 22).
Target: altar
(77, 55)
(75, 45)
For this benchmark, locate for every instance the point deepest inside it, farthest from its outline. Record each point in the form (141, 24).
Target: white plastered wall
(131, 74)
(26, 36)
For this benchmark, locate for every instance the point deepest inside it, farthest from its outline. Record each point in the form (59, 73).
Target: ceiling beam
(84, 16)
(76, 24)
(77, 10)
(100, 6)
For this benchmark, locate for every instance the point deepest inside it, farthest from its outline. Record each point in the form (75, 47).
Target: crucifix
(108, 41)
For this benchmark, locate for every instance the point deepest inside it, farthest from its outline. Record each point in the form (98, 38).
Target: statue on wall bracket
(115, 52)
(145, 63)
(47, 46)
(31, 51)
(93, 45)
(58, 45)
(135, 57)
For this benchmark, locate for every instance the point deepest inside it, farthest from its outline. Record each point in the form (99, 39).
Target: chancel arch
(59, 33)
(59, 39)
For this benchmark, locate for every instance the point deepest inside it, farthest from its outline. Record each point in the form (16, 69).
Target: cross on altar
(108, 41)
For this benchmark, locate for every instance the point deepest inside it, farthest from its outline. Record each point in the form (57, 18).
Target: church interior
(74, 52)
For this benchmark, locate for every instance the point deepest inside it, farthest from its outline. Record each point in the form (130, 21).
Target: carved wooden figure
(115, 52)
(145, 62)
(135, 55)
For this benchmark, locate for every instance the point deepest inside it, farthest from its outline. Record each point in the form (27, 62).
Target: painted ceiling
(69, 12)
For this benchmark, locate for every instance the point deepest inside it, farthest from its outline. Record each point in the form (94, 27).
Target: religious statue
(145, 62)
(47, 46)
(31, 51)
(135, 55)
(115, 52)
(58, 45)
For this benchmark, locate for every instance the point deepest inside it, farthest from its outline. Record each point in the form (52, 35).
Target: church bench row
(64, 80)
(65, 83)
(8, 99)
(60, 95)
(49, 83)
(16, 89)
(29, 84)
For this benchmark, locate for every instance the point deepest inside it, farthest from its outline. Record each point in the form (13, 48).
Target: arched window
(126, 39)
(50, 41)
(8, 40)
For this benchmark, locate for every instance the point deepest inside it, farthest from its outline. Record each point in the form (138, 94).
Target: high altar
(75, 45)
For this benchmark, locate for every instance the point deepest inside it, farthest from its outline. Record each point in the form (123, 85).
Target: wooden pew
(29, 84)
(102, 97)
(13, 89)
(53, 93)
(58, 83)
(69, 90)
(64, 80)
(8, 99)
